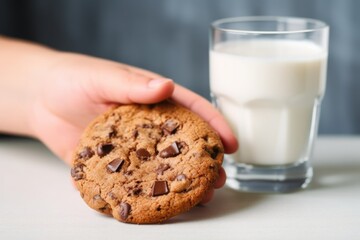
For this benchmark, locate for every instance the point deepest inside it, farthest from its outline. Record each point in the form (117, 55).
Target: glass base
(268, 179)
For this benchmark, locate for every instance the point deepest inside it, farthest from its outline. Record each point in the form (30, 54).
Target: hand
(58, 94)
(79, 88)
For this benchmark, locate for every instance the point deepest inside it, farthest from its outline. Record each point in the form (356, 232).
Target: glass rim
(318, 24)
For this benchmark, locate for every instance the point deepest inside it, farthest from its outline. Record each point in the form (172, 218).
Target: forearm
(22, 68)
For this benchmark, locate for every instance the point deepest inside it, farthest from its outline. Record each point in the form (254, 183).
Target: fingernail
(154, 83)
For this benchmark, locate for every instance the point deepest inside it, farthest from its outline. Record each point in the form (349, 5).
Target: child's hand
(78, 88)
(53, 96)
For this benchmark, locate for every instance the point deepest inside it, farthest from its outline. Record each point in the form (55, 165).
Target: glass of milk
(268, 77)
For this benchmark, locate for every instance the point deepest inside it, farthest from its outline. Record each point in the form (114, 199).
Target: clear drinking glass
(268, 77)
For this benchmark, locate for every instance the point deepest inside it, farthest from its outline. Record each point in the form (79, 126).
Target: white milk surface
(267, 90)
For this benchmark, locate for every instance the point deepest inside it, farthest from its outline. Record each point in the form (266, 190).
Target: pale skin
(51, 96)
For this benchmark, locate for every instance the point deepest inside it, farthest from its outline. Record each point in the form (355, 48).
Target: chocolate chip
(77, 172)
(135, 133)
(129, 173)
(112, 132)
(112, 195)
(216, 151)
(115, 165)
(162, 168)
(159, 188)
(124, 211)
(104, 149)
(169, 127)
(76, 175)
(143, 154)
(170, 151)
(86, 153)
(213, 151)
(137, 191)
(180, 177)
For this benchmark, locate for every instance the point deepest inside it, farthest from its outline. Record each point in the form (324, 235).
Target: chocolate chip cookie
(146, 163)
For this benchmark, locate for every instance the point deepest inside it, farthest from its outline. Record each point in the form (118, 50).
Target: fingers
(219, 183)
(204, 109)
(209, 195)
(222, 179)
(110, 82)
(129, 87)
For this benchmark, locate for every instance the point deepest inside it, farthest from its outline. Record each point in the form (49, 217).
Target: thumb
(126, 86)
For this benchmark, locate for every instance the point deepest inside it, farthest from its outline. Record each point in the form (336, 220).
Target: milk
(269, 90)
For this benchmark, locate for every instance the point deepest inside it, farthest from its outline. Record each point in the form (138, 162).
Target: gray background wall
(171, 37)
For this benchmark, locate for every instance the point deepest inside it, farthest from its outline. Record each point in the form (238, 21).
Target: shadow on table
(225, 202)
(336, 176)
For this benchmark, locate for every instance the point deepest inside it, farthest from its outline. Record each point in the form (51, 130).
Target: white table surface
(38, 201)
